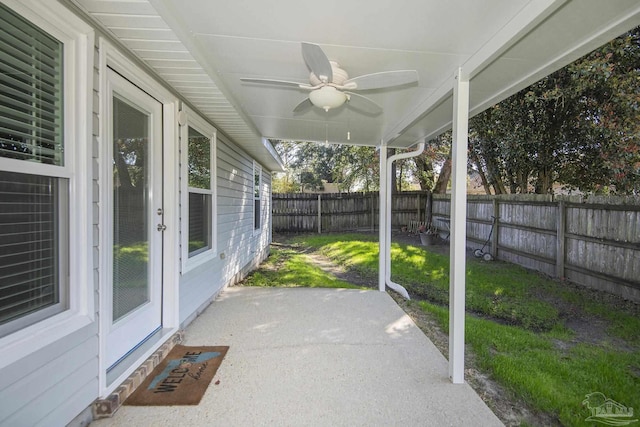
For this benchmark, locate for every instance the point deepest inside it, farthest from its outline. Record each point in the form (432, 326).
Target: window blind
(30, 92)
(199, 223)
(29, 255)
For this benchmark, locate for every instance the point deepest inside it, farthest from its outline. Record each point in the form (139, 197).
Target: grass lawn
(519, 327)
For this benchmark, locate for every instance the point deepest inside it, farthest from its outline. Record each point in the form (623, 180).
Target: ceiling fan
(330, 86)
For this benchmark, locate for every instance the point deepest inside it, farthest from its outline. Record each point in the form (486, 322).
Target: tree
(443, 177)
(358, 168)
(309, 164)
(129, 156)
(579, 126)
(611, 117)
(437, 154)
(285, 182)
(424, 172)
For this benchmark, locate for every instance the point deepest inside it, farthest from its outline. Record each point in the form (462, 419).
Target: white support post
(458, 227)
(382, 220)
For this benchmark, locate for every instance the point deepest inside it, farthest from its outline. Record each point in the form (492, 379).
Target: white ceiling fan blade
(317, 61)
(364, 104)
(278, 83)
(382, 80)
(303, 106)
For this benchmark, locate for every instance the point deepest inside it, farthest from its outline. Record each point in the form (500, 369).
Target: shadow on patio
(317, 357)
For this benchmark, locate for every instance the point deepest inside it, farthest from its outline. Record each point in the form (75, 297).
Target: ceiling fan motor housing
(339, 76)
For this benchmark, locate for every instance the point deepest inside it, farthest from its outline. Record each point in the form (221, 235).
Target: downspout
(387, 226)
(382, 220)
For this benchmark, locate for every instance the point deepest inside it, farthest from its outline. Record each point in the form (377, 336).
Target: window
(257, 181)
(200, 192)
(199, 164)
(38, 71)
(33, 245)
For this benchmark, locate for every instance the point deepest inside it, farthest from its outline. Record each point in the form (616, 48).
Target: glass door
(135, 217)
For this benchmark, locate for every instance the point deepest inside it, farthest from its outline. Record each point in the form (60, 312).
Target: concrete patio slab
(307, 357)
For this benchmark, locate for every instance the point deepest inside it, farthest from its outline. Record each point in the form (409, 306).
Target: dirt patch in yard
(324, 263)
(339, 271)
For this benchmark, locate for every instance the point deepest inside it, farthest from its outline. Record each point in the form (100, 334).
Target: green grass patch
(500, 290)
(287, 268)
(554, 377)
(130, 263)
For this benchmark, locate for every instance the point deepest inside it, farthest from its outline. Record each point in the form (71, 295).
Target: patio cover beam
(458, 226)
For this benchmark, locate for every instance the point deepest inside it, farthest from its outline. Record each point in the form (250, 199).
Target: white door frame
(111, 57)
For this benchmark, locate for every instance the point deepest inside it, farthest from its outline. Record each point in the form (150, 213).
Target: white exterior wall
(59, 382)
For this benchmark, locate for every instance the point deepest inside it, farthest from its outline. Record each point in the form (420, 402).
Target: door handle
(161, 227)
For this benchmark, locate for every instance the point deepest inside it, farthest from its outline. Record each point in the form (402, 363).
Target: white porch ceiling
(203, 47)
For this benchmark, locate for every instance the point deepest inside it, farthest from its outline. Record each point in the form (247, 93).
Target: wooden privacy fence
(594, 242)
(302, 212)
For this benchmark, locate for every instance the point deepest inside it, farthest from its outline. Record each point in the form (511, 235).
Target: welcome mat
(181, 378)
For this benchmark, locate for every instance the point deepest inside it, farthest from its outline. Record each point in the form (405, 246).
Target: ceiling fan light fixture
(327, 97)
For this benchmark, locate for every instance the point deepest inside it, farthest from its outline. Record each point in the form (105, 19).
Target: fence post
(494, 235)
(319, 215)
(560, 243)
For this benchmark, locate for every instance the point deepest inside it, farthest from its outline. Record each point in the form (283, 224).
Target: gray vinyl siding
(242, 248)
(50, 387)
